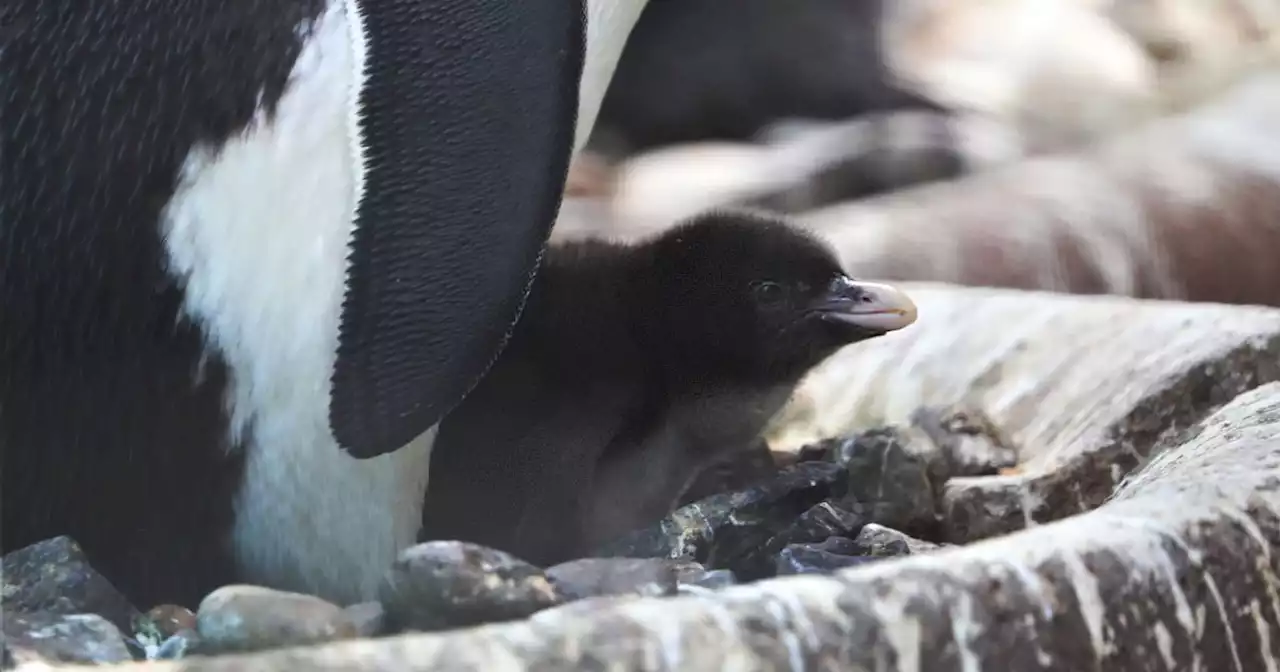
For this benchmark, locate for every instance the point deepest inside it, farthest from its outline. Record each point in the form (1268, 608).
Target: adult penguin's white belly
(253, 256)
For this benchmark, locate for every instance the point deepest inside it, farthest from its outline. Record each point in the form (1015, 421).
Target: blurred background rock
(1090, 146)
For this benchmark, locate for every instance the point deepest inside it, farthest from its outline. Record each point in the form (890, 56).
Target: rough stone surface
(596, 577)
(1084, 387)
(822, 558)
(731, 524)
(447, 584)
(878, 540)
(250, 618)
(1176, 572)
(967, 440)
(56, 637)
(54, 577)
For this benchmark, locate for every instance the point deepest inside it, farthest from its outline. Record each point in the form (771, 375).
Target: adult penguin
(253, 251)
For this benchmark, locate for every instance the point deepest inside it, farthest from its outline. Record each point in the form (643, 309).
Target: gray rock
(55, 577)
(449, 584)
(877, 540)
(834, 518)
(68, 638)
(891, 480)
(596, 577)
(1084, 387)
(250, 618)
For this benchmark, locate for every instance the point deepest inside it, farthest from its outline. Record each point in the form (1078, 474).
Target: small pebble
(164, 621)
(448, 584)
(242, 618)
(594, 577)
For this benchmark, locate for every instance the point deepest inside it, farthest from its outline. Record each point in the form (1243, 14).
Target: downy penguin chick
(632, 369)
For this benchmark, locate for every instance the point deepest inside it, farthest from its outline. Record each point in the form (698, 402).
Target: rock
(595, 577)
(164, 621)
(1173, 573)
(1171, 568)
(730, 524)
(890, 479)
(877, 540)
(166, 631)
(968, 440)
(51, 636)
(1085, 387)
(736, 471)
(821, 558)
(249, 618)
(55, 577)
(448, 584)
(368, 619)
(833, 518)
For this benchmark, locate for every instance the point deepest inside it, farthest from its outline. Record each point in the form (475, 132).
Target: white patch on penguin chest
(609, 23)
(259, 229)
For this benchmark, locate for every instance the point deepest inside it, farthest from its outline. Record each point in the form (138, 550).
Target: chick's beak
(867, 305)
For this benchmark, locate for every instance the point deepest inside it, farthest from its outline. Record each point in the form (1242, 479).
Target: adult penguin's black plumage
(634, 368)
(251, 252)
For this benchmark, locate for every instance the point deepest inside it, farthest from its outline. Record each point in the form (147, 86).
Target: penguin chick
(632, 369)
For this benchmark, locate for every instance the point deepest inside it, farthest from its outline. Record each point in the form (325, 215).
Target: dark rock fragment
(596, 577)
(49, 636)
(727, 525)
(830, 519)
(55, 577)
(447, 584)
(891, 479)
(819, 558)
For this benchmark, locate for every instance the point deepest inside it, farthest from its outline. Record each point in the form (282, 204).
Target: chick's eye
(767, 290)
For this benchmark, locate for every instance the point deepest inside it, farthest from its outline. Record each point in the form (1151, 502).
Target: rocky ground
(1149, 431)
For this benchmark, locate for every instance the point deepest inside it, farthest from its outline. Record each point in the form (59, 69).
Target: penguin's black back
(111, 407)
(713, 70)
